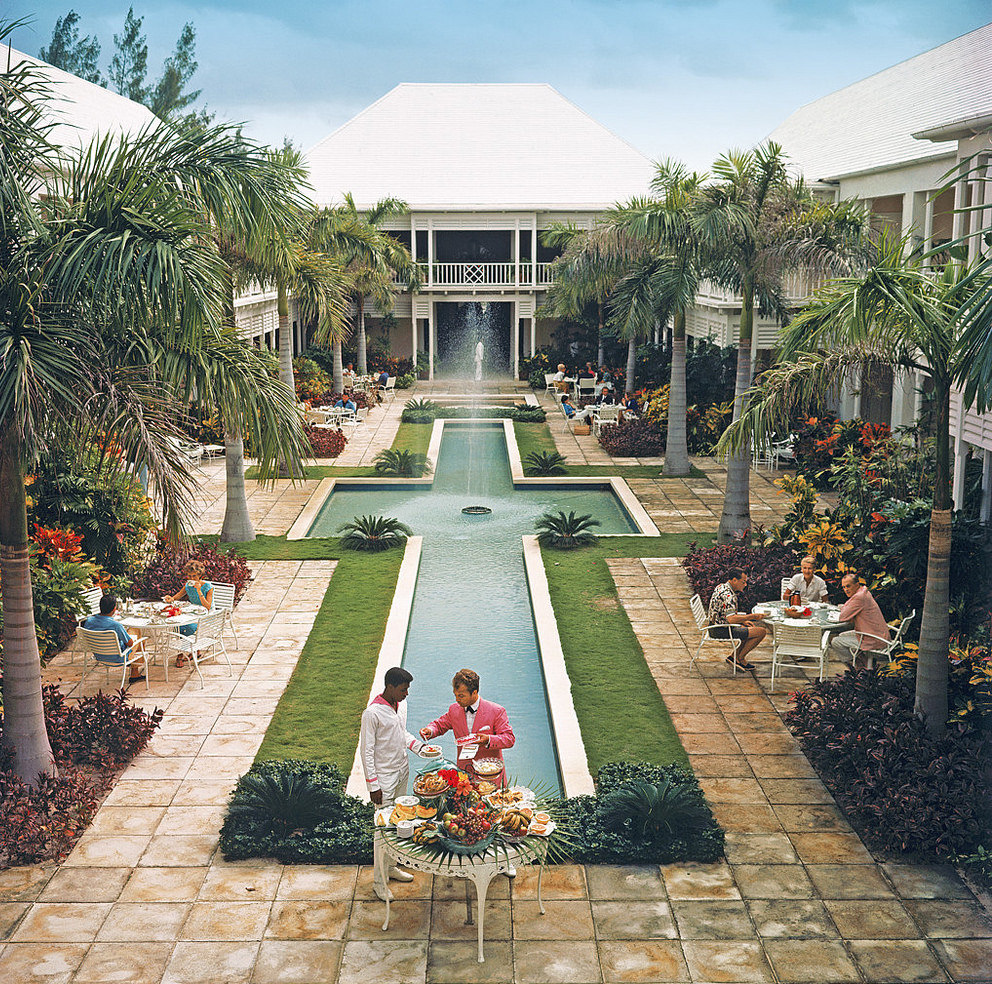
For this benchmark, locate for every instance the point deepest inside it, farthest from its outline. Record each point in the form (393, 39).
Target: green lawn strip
(265, 547)
(621, 713)
(537, 437)
(320, 711)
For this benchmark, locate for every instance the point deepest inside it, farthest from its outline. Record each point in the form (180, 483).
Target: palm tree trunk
(631, 364)
(931, 670)
(285, 338)
(24, 729)
(600, 354)
(337, 372)
(363, 367)
(676, 443)
(237, 526)
(736, 518)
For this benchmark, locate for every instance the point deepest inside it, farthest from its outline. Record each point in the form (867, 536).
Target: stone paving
(145, 897)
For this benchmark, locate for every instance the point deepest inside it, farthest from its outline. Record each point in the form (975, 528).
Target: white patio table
(146, 620)
(480, 869)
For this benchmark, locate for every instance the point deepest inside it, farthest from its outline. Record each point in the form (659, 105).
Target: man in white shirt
(811, 587)
(382, 746)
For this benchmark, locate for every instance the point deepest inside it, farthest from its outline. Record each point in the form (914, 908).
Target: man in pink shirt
(470, 714)
(871, 632)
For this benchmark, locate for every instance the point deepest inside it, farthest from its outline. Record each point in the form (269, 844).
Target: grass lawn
(320, 711)
(537, 437)
(620, 711)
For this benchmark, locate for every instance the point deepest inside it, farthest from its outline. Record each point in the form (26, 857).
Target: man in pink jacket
(470, 714)
(871, 632)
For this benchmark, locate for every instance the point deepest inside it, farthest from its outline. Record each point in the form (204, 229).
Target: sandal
(741, 666)
(181, 660)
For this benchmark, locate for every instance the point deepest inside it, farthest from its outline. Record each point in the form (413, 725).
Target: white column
(901, 398)
(533, 250)
(960, 457)
(516, 253)
(516, 340)
(430, 341)
(414, 335)
(533, 336)
(430, 260)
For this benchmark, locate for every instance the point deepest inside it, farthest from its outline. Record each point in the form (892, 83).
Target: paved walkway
(145, 898)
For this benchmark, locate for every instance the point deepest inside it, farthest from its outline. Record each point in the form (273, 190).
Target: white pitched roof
(80, 109)
(869, 125)
(485, 146)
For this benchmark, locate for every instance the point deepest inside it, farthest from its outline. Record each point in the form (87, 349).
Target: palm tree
(782, 227)
(904, 314)
(565, 532)
(104, 253)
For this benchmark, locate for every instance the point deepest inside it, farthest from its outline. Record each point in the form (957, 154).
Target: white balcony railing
(473, 276)
(798, 287)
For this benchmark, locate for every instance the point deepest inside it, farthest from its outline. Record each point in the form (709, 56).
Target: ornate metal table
(480, 869)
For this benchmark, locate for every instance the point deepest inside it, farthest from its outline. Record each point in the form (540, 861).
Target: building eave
(957, 129)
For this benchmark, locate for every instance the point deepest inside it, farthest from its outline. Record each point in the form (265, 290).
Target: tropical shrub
(312, 380)
(402, 463)
(373, 534)
(421, 411)
(820, 441)
(533, 369)
(326, 442)
(561, 532)
(406, 380)
(336, 828)
(91, 739)
(164, 575)
(415, 412)
(544, 463)
(902, 788)
(765, 567)
(705, 423)
(609, 829)
(633, 439)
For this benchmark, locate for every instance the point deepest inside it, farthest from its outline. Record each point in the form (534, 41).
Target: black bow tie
(469, 710)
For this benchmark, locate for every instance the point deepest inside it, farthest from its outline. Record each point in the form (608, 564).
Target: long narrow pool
(472, 607)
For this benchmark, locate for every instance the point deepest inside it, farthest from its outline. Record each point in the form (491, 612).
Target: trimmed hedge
(345, 837)
(525, 414)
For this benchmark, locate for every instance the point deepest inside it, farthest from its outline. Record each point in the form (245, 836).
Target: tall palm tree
(902, 313)
(102, 252)
(783, 227)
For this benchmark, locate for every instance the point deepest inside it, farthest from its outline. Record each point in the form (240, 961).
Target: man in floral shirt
(726, 622)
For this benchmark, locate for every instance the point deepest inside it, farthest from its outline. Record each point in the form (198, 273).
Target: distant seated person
(807, 584)
(349, 377)
(345, 402)
(871, 632)
(630, 404)
(588, 372)
(559, 376)
(726, 622)
(569, 410)
(383, 377)
(603, 387)
(196, 591)
(105, 621)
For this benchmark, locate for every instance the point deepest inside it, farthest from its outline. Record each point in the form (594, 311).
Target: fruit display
(430, 784)
(426, 833)
(469, 826)
(515, 823)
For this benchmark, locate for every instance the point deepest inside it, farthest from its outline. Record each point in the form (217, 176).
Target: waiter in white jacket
(382, 745)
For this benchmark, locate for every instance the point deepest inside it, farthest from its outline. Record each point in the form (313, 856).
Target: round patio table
(480, 869)
(156, 628)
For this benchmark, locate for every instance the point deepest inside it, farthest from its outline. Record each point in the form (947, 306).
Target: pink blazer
(500, 733)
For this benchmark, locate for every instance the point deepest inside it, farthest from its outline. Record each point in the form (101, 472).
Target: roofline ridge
(352, 119)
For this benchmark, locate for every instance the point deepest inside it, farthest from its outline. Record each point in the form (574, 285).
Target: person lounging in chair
(105, 621)
(726, 622)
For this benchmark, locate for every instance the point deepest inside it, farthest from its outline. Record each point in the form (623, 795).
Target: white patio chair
(782, 451)
(586, 387)
(549, 382)
(91, 606)
(607, 413)
(105, 646)
(190, 450)
(762, 457)
(786, 581)
(795, 642)
(356, 419)
(223, 600)
(204, 643)
(887, 647)
(314, 418)
(699, 614)
(389, 389)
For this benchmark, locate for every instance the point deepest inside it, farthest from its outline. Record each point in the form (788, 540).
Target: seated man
(863, 610)
(584, 415)
(345, 402)
(348, 376)
(559, 376)
(105, 621)
(810, 586)
(726, 622)
(382, 378)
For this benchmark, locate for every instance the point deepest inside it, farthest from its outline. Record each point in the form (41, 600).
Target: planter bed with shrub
(764, 566)
(633, 439)
(92, 740)
(166, 573)
(298, 812)
(421, 413)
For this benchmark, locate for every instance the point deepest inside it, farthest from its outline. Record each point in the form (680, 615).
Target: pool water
(472, 606)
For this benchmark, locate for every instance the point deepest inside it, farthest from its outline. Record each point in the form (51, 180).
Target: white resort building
(483, 168)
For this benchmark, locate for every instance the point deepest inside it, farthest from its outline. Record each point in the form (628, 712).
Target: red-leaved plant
(165, 574)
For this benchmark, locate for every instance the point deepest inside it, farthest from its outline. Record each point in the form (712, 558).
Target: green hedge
(530, 415)
(346, 836)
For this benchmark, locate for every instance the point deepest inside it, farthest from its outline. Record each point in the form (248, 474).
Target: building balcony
(798, 288)
(483, 276)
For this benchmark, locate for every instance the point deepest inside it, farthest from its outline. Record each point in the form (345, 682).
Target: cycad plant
(402, 463)
(374, 533)
(420, 411)
(281, 802)
(565, 532)
(646, 809)
(544, 463)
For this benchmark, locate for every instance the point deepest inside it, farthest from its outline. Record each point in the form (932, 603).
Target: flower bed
(165, 574)
(633, 439)
(92, 739)
(326, 443)
(764, 566)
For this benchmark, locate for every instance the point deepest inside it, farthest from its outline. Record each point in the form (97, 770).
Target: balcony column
(415, 323)
(516, 340)
(516, 253)
(960, 455)
(430, 261)
(430, 342)
(533, 336)
(986, 515)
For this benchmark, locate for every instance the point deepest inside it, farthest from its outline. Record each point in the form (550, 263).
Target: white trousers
(391, 786)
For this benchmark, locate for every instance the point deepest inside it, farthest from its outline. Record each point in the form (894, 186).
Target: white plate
(548, 829)
(798, 621)
(198, 609)
(407, 801)
(139, 620)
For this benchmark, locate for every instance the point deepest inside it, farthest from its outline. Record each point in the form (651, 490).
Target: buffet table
(480, 869)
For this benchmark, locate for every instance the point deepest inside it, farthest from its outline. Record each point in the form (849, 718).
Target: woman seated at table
(807, 584)
(196, 591)
(630, 405)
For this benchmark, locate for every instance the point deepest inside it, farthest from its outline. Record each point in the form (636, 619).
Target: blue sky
(683, 78)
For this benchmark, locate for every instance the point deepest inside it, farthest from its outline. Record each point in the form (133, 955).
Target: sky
(688, 79)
